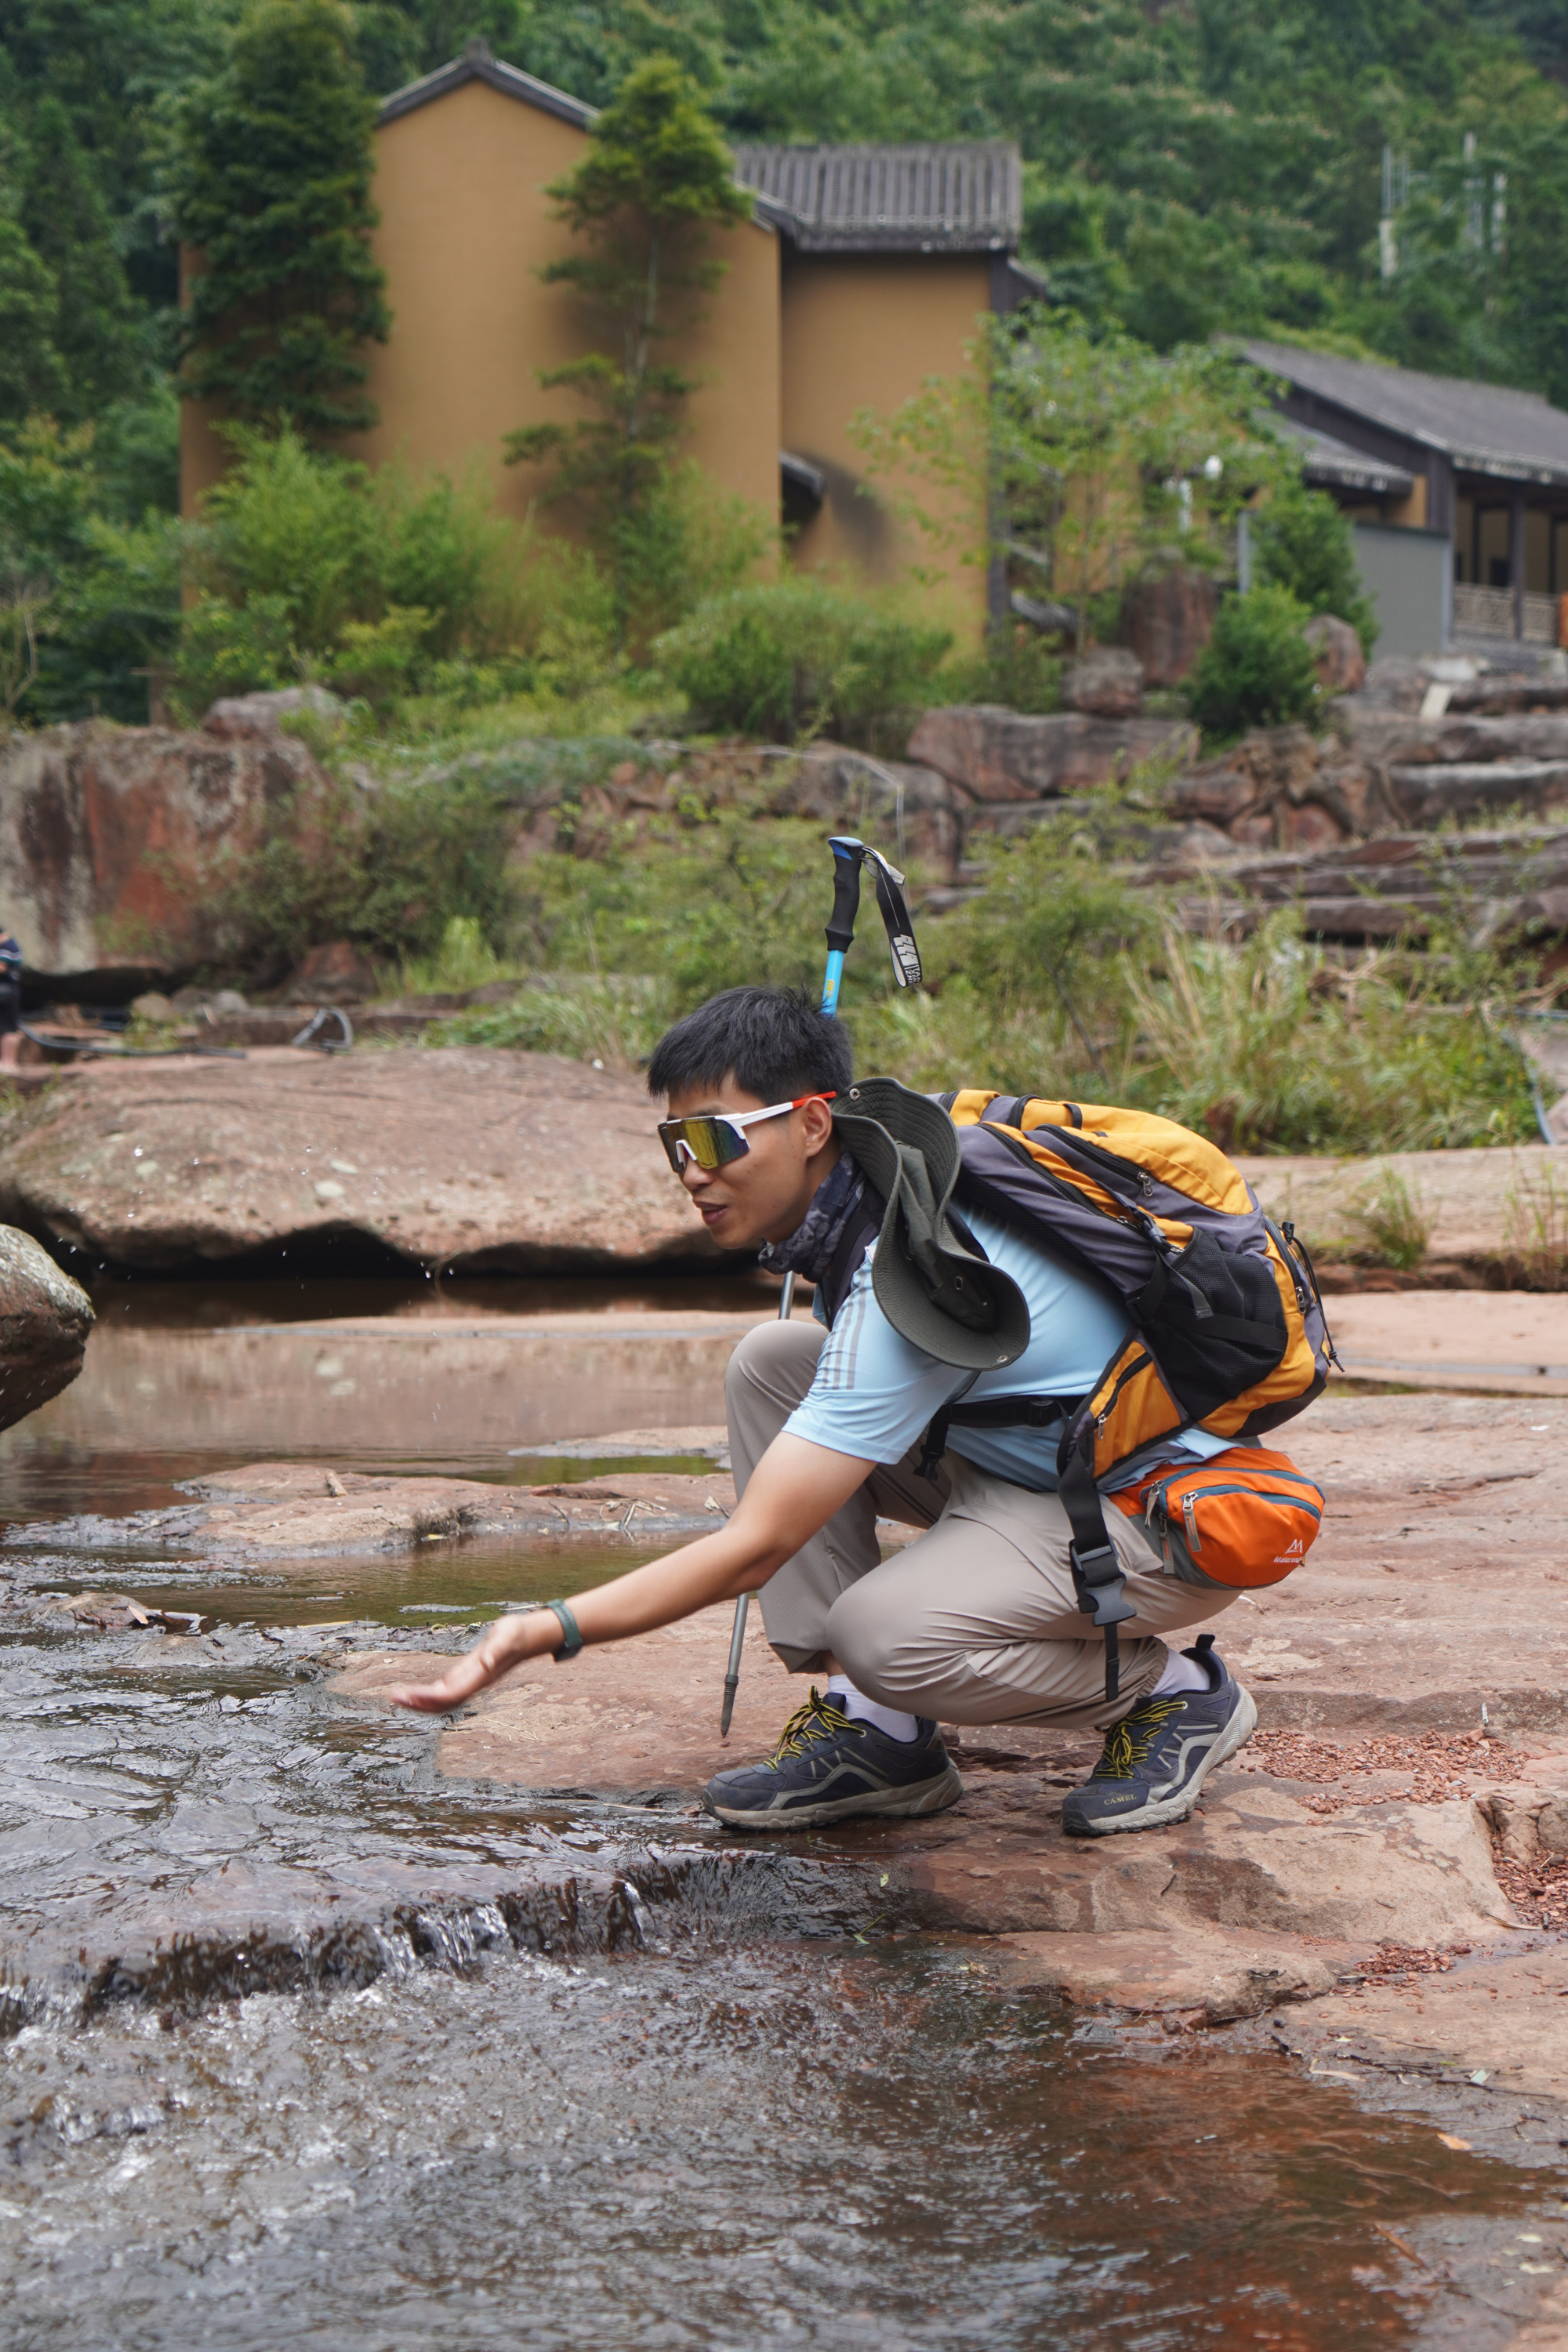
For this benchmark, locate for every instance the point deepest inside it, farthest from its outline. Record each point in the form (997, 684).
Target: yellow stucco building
(860, 276)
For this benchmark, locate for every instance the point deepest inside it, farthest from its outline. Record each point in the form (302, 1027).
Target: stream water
(302, 2042)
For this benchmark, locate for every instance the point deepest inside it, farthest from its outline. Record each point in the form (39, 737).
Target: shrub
(1394, 1220)
(1302, 542)
(791, 659)
(310, 564)
(1257, 670)
(389, 869)
(1267, 1046)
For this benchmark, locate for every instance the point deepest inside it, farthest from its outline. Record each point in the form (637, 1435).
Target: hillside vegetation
(1191, 168)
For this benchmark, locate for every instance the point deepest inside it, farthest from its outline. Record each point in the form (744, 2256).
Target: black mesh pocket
(1215, 1321)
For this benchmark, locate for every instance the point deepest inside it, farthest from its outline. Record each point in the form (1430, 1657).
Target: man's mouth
(712, 1211)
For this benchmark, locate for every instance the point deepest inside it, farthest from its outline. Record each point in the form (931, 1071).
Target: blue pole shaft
(831, 980)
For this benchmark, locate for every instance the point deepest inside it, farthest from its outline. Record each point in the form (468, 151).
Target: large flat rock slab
(473, 1159)
(1498, 2018)
(1465, 1194)
(1507, 1342)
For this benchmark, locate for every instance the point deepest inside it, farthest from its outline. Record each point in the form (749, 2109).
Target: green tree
(31, 376)
(1098, 456)
(270, 185)
(1303, 542)
(96, 330)
(657, 180)
(1256, 669)
(87, 606)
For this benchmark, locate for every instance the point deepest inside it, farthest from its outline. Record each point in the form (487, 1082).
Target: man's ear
(817, 1117)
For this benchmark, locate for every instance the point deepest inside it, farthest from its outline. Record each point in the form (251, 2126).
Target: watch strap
(572, 1641)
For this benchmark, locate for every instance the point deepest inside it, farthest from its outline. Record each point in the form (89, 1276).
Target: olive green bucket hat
(931, 1285)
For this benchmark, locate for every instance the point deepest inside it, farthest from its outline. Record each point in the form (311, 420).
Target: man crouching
(977, 1622)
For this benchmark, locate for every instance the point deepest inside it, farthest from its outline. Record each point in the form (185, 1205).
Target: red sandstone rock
(1107, 681)
(1169, 622)
(1341, 664)
(336, 975)
(487, 1159)
(1000, 755)
(114, 840)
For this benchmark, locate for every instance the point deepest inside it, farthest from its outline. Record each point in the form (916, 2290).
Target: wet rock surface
(481, 1159)
(301, 1512)
(44, 1319)
(1364, 1816)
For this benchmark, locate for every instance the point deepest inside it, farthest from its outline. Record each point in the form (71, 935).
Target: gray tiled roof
(1324, 460)
(932, 198)
(1484, 427)
(477, 64)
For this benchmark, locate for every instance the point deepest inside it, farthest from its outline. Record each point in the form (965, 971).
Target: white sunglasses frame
(738, 1120)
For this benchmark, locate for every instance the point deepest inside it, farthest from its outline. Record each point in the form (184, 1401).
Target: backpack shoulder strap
(863, 1227)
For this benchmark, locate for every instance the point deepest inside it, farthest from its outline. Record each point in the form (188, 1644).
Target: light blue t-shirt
(875, 1392)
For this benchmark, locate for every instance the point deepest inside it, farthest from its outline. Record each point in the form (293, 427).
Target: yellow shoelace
(1129, 1741)
(818, 1715)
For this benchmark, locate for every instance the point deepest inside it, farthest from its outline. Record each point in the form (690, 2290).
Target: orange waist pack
(1245, 1517)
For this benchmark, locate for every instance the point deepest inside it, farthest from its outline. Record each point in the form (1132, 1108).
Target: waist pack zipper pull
(1190, 1514)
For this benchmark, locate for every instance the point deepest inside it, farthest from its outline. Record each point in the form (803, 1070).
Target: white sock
(1182, 1673)
(842, 1691)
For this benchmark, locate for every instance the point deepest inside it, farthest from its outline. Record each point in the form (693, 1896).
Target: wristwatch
(572, 1639)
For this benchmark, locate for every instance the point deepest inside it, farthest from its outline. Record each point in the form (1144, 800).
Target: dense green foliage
(1214, 167)
(1058, 978)
(88, 587)
(796, 657)
(656, 181)
(1302, 542)
(270, 182)
(1256, 669)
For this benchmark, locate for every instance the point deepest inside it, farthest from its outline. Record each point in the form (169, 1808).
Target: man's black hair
(774, 1041)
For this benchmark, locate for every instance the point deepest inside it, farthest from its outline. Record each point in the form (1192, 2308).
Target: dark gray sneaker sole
(933, 1796)
(1161, 1811)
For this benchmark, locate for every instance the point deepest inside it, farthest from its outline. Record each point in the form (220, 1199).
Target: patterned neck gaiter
(809, 1249)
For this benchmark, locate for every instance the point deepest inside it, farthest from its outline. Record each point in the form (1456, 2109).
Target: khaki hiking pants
(975, 1623)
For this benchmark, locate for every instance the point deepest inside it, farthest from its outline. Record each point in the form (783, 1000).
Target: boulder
(258, 717)
(1455, 736)
(1427, 795)
(334, 974)
(1341, 664)
(115, 841)
(877, 799)
(1107, 682)
(44, 1319)
(1169, 621)
(997, 754)
(487, 1159)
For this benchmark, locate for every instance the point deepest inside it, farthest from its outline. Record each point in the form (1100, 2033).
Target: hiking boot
(827, 1767)
(1157, 1759)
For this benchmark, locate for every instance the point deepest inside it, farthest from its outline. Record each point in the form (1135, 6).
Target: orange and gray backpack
(1228, 1331)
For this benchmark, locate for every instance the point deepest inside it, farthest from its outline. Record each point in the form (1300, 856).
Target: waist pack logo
(1245, 1519)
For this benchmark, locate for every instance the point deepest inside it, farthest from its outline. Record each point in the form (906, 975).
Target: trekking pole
(850, 855)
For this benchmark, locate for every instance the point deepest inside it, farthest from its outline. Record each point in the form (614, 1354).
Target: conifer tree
(655, 180)
(31, 376)
(68, 225)
(271, 191)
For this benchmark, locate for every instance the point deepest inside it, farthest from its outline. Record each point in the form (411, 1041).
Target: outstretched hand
(509, 1641)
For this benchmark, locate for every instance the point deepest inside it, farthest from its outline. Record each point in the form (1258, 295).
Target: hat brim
(942, 1297)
